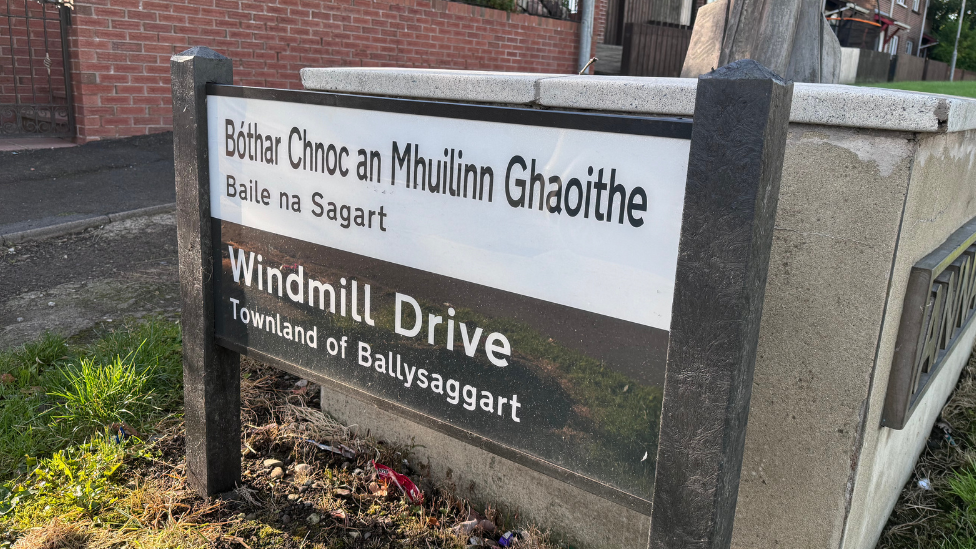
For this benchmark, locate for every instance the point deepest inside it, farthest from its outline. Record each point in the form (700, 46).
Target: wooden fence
(622, 12)
(654, 49)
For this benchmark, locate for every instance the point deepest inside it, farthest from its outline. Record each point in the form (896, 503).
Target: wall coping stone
(821, 104)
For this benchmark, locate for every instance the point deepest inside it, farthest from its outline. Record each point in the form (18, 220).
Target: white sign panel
(585, 219)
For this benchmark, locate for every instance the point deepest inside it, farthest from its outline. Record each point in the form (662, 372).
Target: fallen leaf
(7, 379)
(432, 522)
(376, 489)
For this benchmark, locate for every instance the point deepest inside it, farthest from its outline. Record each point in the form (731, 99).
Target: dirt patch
(77, 283)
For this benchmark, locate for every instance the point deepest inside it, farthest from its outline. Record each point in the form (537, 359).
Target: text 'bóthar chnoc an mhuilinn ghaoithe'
(597, 195)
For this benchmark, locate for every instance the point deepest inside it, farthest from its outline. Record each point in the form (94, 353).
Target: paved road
(77, 283)
(50, 186)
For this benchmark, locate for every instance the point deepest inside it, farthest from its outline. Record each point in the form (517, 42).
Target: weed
(58, 394)
(943, 514)
(82, 472)
(95, 395)
(86, 487)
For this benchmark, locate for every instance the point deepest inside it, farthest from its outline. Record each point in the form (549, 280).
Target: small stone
(20, 319)
(302, 489)
(293, 497)
(353, 534)
(50, 304)
(271, 463)
(277, 472)
(303, 468)
(342, 492)
(250, 516)
(285, 519)
(313, 519)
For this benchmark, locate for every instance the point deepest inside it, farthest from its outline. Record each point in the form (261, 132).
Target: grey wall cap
(661, 96)
(822, 104)
(480, 86)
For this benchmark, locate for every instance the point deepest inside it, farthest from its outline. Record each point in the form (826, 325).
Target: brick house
(119, 50)
(892, 26)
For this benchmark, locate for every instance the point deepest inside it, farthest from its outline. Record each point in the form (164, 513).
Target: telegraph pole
(955, 50)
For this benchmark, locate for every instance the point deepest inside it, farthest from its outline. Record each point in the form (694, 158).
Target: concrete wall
(848, 65)
(941, 197)
(825, 300)
(873, 180)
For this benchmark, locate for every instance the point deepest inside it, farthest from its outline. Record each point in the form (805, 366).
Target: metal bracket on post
(211, 374)
(734, 169)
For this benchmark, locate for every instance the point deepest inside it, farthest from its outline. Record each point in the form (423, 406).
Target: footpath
(48, 192)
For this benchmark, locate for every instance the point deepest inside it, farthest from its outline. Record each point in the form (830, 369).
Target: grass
(966, 88)
(56, 394)
(92, 449)
(943, 515)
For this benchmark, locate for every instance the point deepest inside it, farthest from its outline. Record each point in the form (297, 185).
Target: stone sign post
(577, 292)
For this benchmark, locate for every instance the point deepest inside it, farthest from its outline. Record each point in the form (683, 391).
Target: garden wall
(121, 48)
(897, 172)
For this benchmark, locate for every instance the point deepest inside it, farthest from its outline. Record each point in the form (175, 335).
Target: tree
(944, 15)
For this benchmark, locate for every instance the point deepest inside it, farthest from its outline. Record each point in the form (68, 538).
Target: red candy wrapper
(403, 483)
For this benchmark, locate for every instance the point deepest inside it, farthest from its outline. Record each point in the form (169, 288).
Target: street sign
(576, 292)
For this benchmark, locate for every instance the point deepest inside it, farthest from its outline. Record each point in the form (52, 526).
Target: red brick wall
(121, 48)
(904, 12)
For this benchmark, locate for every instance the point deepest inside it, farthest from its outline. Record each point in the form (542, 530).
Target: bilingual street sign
(509, 276)
(506, 272)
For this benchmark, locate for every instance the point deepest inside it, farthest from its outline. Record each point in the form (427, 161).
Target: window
(893, 46)
(902, 3)
(909, 46)
(915, 5)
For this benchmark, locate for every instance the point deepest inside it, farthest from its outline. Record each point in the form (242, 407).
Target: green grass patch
(53, 395)
(942, 514)
(966, 88)
(69, 482)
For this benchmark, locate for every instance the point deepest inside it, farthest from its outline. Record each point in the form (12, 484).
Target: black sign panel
(580, 390)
